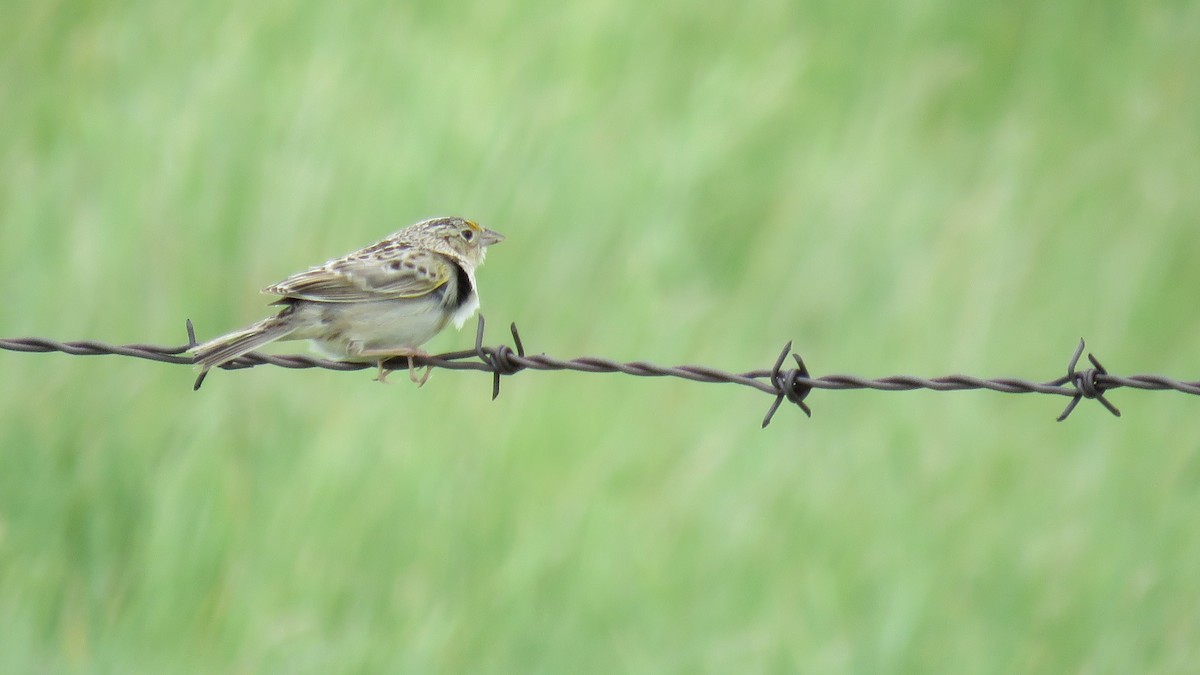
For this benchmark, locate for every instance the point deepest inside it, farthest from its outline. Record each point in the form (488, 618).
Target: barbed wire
(793, 384)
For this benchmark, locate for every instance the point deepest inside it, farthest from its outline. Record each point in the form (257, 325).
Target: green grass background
(928, 186)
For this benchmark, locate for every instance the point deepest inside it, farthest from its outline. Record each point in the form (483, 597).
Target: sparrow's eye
(467, 235)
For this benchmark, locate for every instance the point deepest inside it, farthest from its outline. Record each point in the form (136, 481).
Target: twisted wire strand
(792, 384)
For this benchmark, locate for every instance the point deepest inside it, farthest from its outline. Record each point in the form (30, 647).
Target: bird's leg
(384, 354)
(412, 374)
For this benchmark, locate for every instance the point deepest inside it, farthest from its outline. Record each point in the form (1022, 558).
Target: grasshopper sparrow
(382, 301)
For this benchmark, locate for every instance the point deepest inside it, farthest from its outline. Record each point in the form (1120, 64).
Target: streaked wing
(406, 273)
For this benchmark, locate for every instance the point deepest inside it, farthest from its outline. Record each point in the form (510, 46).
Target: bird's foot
(384, 354)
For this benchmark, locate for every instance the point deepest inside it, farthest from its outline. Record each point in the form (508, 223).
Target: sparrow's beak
(489, 237)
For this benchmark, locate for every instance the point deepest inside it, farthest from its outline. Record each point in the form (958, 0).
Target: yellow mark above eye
(471, 230)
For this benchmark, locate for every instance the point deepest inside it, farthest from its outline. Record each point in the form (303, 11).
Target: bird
(379, 302)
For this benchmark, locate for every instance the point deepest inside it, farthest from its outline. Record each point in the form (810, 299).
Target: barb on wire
(1087, 384)
(793, 385)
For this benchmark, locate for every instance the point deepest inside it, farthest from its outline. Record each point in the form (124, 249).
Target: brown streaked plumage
(381, 301)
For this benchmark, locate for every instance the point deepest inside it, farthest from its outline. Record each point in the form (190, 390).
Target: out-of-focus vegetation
(911, 187)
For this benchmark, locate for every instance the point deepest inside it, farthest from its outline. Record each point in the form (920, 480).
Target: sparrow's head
(457, 237)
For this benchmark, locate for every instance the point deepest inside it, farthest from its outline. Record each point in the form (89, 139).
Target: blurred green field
(917, 187)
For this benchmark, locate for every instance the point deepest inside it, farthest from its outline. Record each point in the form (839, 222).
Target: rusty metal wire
(792, 384)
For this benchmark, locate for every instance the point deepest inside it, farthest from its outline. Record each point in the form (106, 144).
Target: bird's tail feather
(232, 345)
